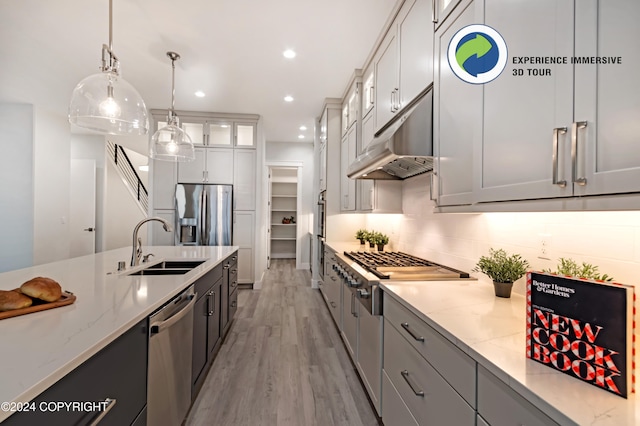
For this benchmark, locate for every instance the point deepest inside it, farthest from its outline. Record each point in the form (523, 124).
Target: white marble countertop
(40, 348)
(492, 331)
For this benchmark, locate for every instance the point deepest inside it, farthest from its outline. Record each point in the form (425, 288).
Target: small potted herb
(361, 234)
(503, 269)
(371, 238)
(569, 267)
(380, 240)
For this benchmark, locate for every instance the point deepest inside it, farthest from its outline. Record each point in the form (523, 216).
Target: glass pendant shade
(106, 103)
(171, 143)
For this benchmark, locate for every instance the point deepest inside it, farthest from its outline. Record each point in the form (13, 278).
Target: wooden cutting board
(67, 298)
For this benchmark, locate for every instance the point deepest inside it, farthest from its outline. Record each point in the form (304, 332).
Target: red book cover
(583, 328)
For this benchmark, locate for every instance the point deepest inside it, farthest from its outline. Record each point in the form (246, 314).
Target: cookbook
(582, 328)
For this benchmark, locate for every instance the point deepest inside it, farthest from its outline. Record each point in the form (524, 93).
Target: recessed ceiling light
(288, 98)
(289, 54)
(303, 128)
(300, 136)
(200, 94)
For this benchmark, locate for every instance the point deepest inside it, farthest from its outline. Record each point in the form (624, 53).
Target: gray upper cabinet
(574, 131)
(515, 150)
(348, 156)
(404, 62)
(457, 120)
(606, 98)
(386, 79)
(415, 32)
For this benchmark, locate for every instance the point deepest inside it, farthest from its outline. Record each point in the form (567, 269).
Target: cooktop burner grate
(371, 261)
(386, 259)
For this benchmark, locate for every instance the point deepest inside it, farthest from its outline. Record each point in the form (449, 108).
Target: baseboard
(283, 255)
(257, 284)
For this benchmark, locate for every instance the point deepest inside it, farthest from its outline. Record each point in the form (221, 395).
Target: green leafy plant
(371, 235)
(502, 267)
(571, 268)
(380, 238)
(361, 234)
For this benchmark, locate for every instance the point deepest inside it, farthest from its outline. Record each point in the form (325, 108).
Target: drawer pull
(111, 402)
(405, 325)
(405, 375)
(333, 305)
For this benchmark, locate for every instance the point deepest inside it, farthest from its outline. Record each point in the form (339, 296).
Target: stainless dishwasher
(170, 343)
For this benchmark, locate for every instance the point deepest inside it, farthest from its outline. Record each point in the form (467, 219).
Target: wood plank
(283, 362)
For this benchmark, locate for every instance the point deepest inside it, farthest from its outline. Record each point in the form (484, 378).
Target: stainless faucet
(136, 253)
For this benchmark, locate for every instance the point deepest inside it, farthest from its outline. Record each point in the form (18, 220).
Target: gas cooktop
(402, 266)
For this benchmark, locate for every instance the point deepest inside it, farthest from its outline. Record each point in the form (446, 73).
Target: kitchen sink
(180, 264)
(169, 267)
(167, 271)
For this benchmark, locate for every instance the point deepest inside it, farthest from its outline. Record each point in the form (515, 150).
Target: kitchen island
(491, 330)
(41, 348)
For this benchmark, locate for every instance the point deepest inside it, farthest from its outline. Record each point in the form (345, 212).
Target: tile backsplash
(609, 240)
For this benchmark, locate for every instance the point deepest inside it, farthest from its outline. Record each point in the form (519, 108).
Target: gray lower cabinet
(424, 374)
(394, 410)
(117, 372)
(206, 326)
(229, 286)
(430, 399)
(499, 405)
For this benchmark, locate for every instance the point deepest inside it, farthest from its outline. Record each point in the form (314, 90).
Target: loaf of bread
(10, 300)
(42, 288)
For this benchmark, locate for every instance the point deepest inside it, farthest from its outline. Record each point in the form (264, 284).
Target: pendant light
(171, 143)
(105, 102)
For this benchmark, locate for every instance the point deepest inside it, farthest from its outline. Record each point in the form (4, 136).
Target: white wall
(52, 161)
(16, 186)
(609, 240)
(297, 152)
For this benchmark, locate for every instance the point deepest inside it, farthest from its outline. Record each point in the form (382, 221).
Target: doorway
(284, 207)
(82, 211)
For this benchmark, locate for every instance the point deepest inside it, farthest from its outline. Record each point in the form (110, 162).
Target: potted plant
(361, 234)
(503, 269)
(380, 240)
(569, 267)
(371, 238)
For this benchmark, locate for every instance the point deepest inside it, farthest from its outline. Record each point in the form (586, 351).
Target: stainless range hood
(404, 148)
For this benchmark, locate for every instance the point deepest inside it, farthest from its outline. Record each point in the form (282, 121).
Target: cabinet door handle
(405, 325)
(434, 11)
(554, 157)
(370, 96)
(414, 388)
(111, 402)
(577, 125)
(392, 100)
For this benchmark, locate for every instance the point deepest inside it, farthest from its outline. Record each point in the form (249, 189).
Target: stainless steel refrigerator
(204, 215)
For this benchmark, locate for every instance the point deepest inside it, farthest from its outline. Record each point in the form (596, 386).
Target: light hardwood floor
(283, 362)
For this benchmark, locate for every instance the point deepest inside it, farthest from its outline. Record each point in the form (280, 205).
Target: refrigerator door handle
(204, 209)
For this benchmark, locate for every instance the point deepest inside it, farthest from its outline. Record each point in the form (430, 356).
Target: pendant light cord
(111, 26)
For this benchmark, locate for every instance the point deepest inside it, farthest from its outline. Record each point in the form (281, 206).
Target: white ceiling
(230, 49)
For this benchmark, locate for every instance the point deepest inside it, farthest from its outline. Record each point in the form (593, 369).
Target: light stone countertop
(492, 331)
(39, 349)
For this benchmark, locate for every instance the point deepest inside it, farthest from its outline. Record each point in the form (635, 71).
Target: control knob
(363, 293)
